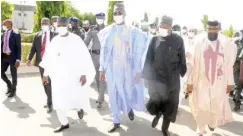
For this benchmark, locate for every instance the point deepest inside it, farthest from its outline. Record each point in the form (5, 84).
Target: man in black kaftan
(164, 64)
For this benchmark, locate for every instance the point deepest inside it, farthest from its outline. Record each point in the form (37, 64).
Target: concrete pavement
(24, 115)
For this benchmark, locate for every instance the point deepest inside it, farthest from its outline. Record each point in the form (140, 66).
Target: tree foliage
(58, 8)
(6, 10)
(229, 32)
(48, 9)
(145, 18)
(156, 20)
(110, 19)
(205, 21)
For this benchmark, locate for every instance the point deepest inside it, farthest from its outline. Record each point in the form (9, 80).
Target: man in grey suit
(93, 43)
(41, 40)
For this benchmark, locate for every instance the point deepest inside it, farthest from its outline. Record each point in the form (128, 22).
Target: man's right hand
(102, 76)
(189, 88)
(45, 80)
(28, 62)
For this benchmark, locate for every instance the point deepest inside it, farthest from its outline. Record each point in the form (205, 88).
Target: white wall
(25, 20)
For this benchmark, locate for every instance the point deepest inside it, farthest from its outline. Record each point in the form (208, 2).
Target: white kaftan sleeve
(195, 51)
(47, 57)
(138, 48)
(231, 53)
(83, 61)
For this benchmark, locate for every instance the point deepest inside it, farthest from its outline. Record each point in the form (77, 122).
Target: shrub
(25, 52)
(27, 38)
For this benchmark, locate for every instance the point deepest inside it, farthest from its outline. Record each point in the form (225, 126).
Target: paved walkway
(25, 116)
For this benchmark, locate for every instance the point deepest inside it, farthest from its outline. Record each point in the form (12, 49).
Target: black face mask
(213, 37)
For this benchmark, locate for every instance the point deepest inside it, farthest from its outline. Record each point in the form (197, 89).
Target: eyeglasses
(117, 13)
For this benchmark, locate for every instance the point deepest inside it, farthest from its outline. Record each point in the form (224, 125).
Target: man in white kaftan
(69, 65)
(211, 79)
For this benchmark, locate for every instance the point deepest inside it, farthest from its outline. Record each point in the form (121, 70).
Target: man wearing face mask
(10, 56)
(211, 79)
(176, 29)
(85, 28)
(238, 84)
(164, 64)
(93, 44)
(153, 28)
(74, 27)
(122, 48)
(70, 82)
(40, 42)
(53, 24)
(184, 31)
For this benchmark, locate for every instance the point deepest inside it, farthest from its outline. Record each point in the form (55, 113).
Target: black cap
(166, 20)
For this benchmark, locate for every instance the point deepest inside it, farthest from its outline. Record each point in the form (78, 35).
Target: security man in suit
(53, 26)
(93, 43)
(41, 41)
(10, 56)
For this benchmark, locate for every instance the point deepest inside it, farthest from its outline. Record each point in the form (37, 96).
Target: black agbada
(164, 64)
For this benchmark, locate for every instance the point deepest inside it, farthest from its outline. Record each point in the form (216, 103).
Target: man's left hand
(83, 80)
(229, 88)
(17, 63)
(137, 78)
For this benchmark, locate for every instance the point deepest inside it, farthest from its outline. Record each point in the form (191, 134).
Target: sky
(184, 12)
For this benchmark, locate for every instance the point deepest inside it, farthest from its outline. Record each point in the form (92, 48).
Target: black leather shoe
(63, 127)
(81, 114)
(131, 115)
(99, 105)
(8, 91)
(49, 109)
(11, 94)
(113, 128)
(237, 107)
(211, 129)
(166, 133)
(156, 120)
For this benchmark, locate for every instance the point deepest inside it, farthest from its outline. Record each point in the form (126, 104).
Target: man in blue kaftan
(122, 48)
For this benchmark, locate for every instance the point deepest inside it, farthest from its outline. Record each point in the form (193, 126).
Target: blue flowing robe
(122, 48)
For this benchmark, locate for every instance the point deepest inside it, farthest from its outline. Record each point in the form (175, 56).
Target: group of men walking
(124, 61)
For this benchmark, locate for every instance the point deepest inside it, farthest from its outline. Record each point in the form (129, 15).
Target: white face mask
(4, 28)
(163, 32)
(183, 31)
(55, 24)
(118, 19)
(69, 25)
(153, 30)
(191, 34)
(99, 21)
(45, 28)
(237, 39)
(177, 32)
(62, 30)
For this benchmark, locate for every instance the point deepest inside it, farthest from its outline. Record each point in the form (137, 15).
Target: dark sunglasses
(117, 13)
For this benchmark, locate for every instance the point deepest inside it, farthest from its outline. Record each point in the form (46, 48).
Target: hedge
(27, 38)
(25, 52)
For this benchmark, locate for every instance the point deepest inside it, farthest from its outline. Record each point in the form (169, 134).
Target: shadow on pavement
(185, 118)
(102, 111)
(138, 127)
(235, 127)
(23, 109)
(77, 127)
(80, 128)
(54, 123)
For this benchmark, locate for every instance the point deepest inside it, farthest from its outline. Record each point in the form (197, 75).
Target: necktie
(43, 46)
(5, 42)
